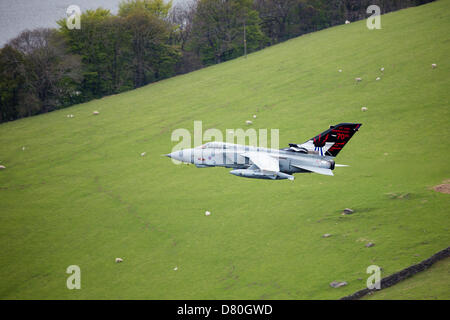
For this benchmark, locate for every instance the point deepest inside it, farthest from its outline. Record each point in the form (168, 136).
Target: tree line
(148, 40)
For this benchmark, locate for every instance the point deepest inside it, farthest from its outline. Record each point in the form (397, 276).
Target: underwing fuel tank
(261, 175)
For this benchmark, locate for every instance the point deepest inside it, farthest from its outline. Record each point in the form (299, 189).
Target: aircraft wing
(263, 161)
(318, 170)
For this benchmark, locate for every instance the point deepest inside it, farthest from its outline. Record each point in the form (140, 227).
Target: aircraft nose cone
(168, 155)
(181, 155)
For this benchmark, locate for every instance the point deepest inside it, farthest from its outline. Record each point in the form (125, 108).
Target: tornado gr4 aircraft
(315, 155)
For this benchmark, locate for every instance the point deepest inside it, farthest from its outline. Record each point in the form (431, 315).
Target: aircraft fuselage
(227, 155)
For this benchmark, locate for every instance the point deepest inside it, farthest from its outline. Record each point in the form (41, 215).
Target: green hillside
(81, 193)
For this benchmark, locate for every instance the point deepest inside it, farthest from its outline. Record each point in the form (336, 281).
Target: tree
(153, 57)
(182, 18)
(12, 71)
(123, 52)
(277, 17)
(218, 29)
(102, 44)
(156, 7)
(51, 75)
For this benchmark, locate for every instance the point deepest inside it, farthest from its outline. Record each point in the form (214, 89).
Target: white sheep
(143, 154)
(378, 78)
(207, 213)
(347, 22)
(340, 70)
(434, 65)
(2, 167)
(96, 113)
(382, 69)
(119, 260)
(358, 79)
(364, 109)
(254, 116)
(248, 122)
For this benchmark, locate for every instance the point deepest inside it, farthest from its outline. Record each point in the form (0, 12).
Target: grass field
(81, 194)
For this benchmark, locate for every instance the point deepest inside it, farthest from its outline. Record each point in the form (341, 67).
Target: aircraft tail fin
(331, 141)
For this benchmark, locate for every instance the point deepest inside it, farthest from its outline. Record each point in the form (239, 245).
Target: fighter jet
(315, 155)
